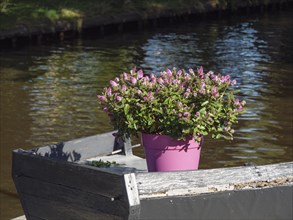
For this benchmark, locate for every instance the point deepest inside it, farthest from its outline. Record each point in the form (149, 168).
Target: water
(48, 92)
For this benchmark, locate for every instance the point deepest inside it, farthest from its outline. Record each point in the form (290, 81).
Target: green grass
(29, 12)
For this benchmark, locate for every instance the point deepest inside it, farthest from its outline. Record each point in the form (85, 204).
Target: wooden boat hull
(54, 182)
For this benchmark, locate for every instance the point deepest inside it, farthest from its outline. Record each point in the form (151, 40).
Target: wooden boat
(56, 182)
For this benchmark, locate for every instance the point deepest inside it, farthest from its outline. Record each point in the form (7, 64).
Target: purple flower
(160, 80)
(139, 74)
(169, 73)
(166, 81)
(109, 91)
(197, 114)
(214, 91)
(216, 79)
(125, 76)
(123, 88)
(113, 83)
(133, 80)
(200, 72)
(179, 115)
(145, 80)
(186, 114)
(236, 101)
(186, 94)
(119, 98)
(176, 81)
(102, 98)
(226, 79)
(149, 97)
(233, 82)
(202, 91)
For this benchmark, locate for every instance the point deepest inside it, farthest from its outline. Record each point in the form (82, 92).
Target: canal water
(48, 91)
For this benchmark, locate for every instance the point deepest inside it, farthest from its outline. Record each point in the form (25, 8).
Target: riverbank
(36, 20)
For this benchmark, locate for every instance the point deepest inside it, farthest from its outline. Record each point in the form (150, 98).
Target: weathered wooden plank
(212, 180)
(132, 195)
(83, 148)
(78, 176)
(48, 209)
(77, 198)
(19, 218)
(250, 204)
(85, 187)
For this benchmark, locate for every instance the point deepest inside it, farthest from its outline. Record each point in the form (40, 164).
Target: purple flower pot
(163, 153)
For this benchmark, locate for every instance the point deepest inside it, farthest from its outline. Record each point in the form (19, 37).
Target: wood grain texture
(51, 209)
(83, 148)
(76, 197)
(68, 174)
(132, 195)
(54, 189)
(212, 180)
(248, 204)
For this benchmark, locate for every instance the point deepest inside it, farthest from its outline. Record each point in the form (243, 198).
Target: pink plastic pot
(163, 153)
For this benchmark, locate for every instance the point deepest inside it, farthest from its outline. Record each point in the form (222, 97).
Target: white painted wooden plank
(132, 195)
(20, 218)
(213, 180)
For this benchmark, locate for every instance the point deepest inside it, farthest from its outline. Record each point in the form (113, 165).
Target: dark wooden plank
(77, 198)
(47, 209)
(62, 181)
(250, 204)
(89, 178)
(213, 180)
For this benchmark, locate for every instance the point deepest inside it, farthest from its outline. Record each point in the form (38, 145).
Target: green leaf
(204, 103)
(157, 110)
(126, 109)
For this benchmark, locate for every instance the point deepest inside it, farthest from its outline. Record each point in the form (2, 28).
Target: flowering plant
(178, 103)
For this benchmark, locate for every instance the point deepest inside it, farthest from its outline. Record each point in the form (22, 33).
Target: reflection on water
(48, 92)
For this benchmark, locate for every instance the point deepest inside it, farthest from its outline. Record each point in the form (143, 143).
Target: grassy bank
(29, 17)
(19, 12)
